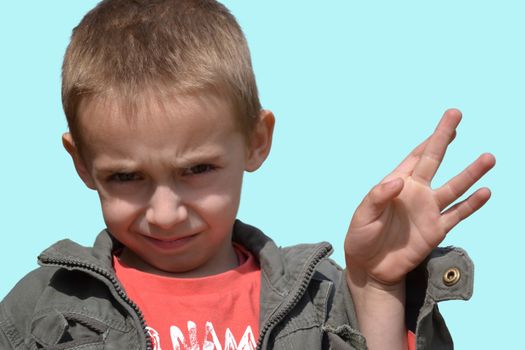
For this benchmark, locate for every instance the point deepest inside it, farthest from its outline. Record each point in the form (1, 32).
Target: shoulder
(292, 262)
(31, 285)
(53, 279)
(314, 255)
(19, 305)
(71, 290)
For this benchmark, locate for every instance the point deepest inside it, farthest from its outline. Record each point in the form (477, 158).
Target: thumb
(376, 201)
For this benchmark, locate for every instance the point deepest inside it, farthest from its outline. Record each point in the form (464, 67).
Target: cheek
(220, 201)
(119, 214)
(223, 205)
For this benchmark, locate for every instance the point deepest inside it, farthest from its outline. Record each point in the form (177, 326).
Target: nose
(166, 209)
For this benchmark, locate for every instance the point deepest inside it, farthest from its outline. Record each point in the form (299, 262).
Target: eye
(125, 177)
(199, 169)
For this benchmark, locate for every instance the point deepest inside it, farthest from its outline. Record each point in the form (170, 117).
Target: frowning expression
(169, 182)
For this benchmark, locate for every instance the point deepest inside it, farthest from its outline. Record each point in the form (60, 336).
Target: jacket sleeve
(447, 274)
(10, 339)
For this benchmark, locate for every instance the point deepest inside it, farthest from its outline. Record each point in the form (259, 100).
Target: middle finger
(434, 151)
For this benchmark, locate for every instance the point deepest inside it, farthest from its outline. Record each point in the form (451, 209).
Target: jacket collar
(280, 267)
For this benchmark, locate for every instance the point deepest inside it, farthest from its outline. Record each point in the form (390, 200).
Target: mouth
(170, 244)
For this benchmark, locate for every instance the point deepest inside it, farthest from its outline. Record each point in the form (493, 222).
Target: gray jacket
(74, 301)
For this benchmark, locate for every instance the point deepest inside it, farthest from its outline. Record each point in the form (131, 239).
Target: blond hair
(122, 48)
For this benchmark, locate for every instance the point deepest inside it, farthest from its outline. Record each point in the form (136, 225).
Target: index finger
(406, 167)
(436, 147)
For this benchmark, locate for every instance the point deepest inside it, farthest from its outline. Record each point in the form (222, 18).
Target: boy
(164, 119)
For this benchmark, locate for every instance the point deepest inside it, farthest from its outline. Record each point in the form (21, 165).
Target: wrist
(358, 279)
(380, 310)
(375, 299)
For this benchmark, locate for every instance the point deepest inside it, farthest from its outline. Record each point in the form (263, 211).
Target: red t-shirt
(213, 312)
(411, 341)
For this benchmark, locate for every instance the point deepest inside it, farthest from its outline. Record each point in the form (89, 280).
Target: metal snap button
(451, 276)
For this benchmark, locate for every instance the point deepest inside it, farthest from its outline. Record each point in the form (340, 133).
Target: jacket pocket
(52, 330)
(344, 337)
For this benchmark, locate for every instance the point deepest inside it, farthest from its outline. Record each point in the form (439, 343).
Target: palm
(400, 222)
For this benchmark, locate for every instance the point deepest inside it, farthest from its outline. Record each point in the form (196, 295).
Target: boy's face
(170, 181)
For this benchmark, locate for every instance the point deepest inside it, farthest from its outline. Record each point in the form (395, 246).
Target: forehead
(186, 121)
(101, 113)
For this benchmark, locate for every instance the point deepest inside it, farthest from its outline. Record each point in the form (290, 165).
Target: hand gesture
(402, 219)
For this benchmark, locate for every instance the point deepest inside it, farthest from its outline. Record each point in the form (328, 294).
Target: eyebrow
(123, 165)
(198, 157)
(113, 166)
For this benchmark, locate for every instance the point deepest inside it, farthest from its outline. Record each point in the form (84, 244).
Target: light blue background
(354, 86)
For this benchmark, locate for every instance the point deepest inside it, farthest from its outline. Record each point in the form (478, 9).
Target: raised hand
(402, 219)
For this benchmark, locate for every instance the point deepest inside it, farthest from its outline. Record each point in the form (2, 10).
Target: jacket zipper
(305, 280)
(274, 320)
(114, 282)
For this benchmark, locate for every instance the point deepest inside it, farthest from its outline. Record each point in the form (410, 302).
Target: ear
(260, 141)
(80, 165)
